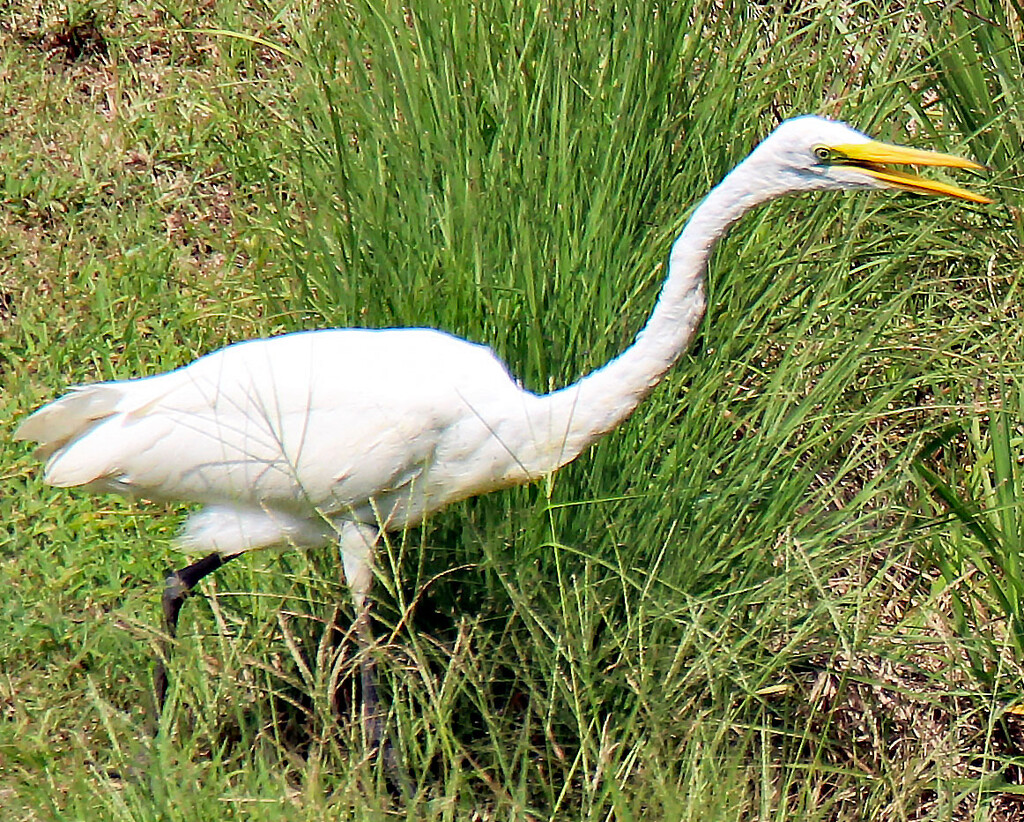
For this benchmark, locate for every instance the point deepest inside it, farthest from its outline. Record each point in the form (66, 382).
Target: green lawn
(789, 588)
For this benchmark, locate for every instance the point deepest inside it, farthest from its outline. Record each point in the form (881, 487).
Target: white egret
(343, 434)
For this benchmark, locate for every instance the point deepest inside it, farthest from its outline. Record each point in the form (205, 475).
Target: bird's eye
(823, 153)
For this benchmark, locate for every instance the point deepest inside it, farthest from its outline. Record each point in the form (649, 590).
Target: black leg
(373, 722)
(378, 741)
(177, 586)
(357, 542)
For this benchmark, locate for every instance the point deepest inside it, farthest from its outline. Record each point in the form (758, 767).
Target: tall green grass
(737, 606)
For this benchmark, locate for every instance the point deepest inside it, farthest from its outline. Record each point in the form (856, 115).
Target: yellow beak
(874, 158)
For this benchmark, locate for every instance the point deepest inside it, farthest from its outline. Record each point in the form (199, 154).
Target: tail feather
(71, 417)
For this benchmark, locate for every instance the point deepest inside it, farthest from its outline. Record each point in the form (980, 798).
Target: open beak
(875, 158)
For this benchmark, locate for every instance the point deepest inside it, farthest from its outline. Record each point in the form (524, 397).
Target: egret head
(813, 154)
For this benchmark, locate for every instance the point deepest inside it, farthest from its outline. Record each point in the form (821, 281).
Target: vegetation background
(790, 588)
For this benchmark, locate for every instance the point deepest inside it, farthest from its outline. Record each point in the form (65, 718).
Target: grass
(788, 588)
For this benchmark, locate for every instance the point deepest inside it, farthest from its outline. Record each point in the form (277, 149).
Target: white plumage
(287, 438)
(343, 434)
(310, 425)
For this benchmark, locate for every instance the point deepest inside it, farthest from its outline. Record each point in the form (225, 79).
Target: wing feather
(323, 420)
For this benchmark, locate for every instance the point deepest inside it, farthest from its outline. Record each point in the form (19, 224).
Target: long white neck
(575, 416)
